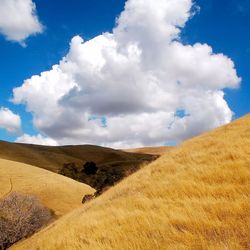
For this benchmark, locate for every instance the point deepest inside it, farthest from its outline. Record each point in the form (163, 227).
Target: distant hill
(196, 196)
(112, 165)
(56, 192)
(149, 150)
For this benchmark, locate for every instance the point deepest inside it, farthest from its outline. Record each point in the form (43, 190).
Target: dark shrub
(90, 168)
(87, 197)
(69, 169)
(21, 216)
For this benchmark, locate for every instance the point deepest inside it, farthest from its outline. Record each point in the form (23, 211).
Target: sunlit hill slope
(56, 192)
(196, 196)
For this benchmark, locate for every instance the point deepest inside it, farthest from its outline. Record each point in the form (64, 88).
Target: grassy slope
(56, 192)
(195, 197)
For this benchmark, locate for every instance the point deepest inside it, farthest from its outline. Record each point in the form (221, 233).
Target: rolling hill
(197, 196)
(53, 158)
(149, 150)
(56, 192)
(113, 165)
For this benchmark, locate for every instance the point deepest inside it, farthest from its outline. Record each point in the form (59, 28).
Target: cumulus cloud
(36, 139)
(18, 20)
(9, 121)
(138, 85)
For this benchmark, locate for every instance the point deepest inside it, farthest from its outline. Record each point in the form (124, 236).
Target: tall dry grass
(196, 196)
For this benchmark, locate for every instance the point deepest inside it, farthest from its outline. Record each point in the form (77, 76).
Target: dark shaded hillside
(112, 165)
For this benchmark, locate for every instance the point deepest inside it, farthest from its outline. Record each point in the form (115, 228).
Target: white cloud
(125, 88)
(36, 139)
(18, 20)
(9, 121)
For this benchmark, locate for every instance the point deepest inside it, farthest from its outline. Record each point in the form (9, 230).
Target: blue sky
(223, 25)
(85, 18)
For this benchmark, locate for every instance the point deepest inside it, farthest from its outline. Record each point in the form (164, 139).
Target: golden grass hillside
(56, 192)
(195, 197)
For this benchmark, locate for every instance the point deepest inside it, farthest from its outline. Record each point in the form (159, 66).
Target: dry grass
(56, 192)
(195, 197)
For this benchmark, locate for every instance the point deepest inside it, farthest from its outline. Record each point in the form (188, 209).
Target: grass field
(56, 192)
(197, 196)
